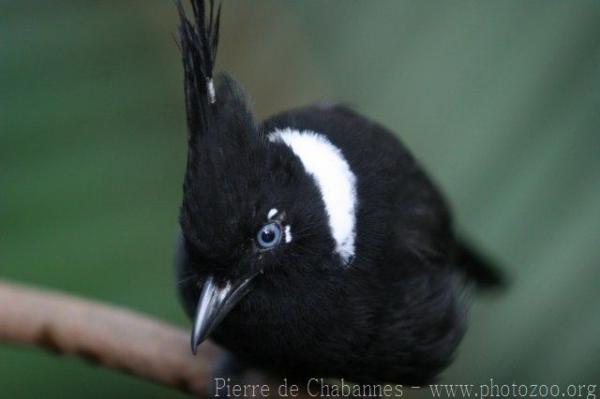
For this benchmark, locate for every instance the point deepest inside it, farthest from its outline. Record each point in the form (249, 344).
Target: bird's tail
(479, 268)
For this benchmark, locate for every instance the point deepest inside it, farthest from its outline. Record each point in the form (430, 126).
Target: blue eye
(269, 235)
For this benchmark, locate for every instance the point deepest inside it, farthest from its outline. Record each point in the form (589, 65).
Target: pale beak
(215, 302)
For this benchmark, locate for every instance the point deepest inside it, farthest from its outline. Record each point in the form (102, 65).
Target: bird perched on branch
(312, 243)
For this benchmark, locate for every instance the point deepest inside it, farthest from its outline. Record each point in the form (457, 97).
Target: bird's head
(250, 211)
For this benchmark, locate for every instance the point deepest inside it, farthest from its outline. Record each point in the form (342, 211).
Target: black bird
(312, 243)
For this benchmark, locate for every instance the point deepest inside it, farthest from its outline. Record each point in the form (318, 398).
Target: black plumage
(393, 312)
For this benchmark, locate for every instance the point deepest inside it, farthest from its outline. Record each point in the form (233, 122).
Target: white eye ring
(269, 235)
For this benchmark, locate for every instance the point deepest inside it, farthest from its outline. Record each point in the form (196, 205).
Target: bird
(313, 243)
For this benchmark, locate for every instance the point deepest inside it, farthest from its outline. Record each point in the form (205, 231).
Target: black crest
(217, 110)
(227, 155)
(199, 49)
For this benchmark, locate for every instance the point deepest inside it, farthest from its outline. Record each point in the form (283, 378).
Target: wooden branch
(112, 337)
(120, 339)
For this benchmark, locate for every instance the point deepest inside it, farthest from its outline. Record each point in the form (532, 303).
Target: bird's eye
(269, 235)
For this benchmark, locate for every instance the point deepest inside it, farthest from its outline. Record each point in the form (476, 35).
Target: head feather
(227, 155)
(199, 44)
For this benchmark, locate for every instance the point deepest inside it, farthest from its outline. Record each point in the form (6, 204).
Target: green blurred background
(500, 101)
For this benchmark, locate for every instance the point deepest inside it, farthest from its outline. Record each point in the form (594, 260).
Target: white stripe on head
(334, 178)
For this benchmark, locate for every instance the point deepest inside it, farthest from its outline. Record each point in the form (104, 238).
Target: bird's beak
(215, 302)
